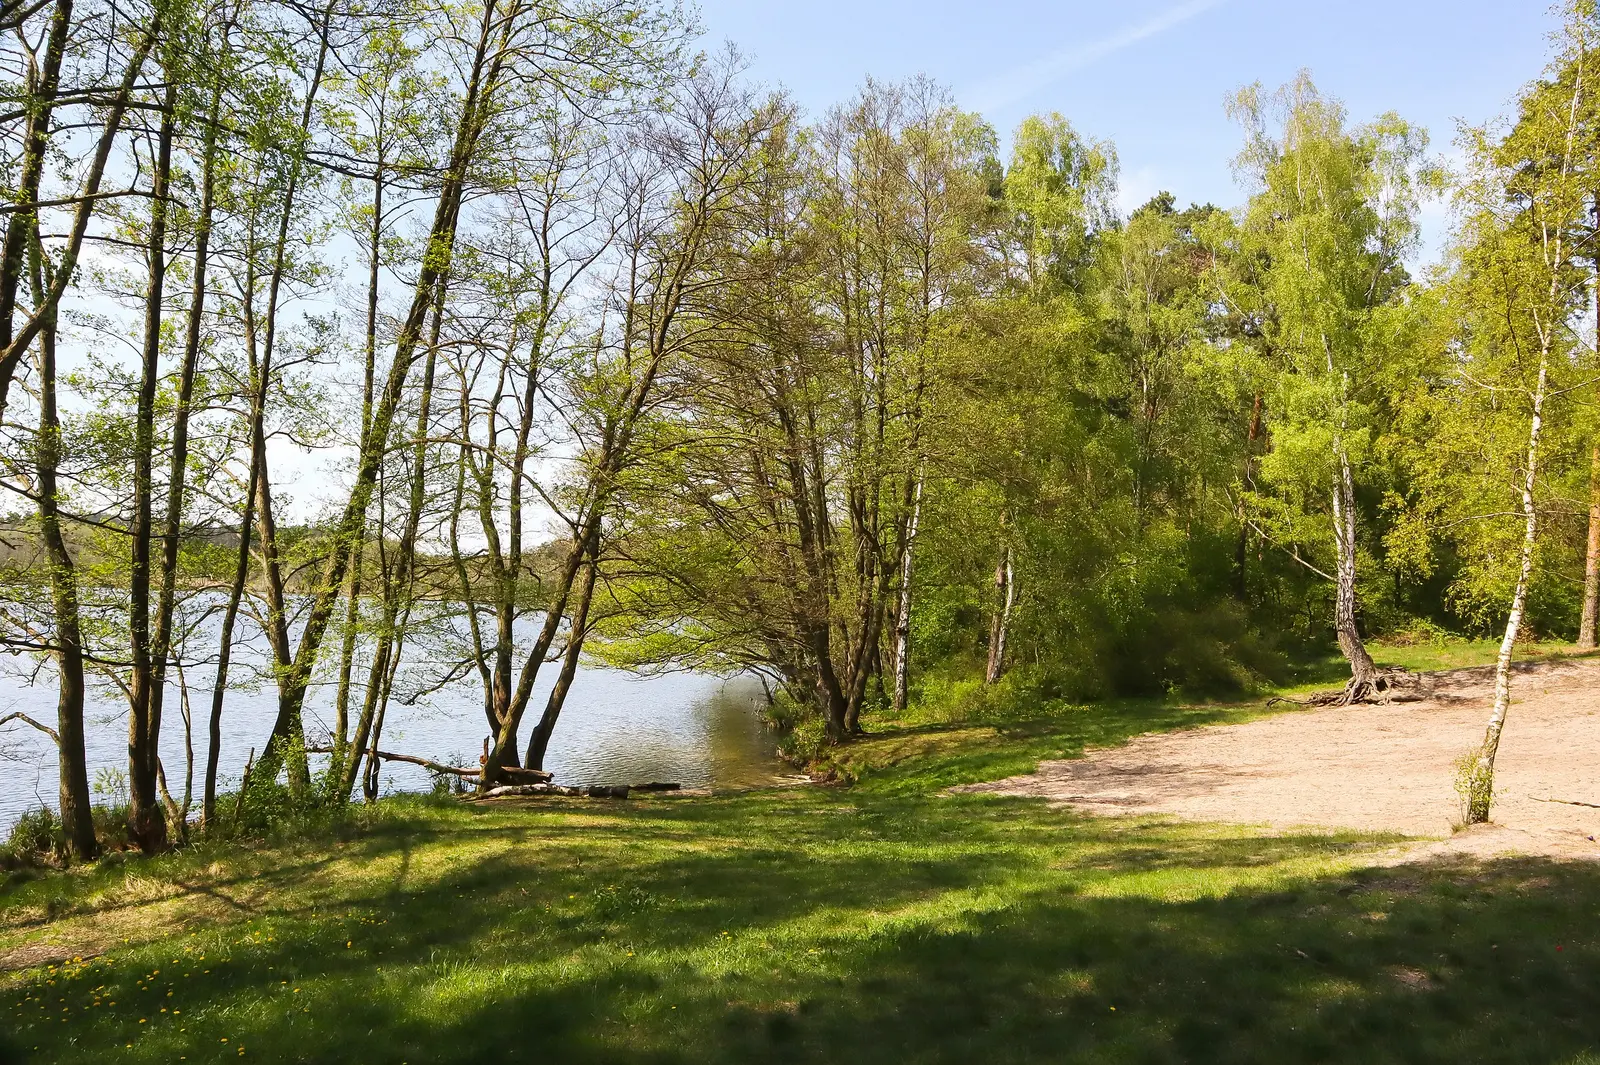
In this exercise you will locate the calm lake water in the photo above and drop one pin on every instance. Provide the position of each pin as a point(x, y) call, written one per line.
point(616, 728)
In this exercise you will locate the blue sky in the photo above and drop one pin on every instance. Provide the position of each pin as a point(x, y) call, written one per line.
point(1152, 75)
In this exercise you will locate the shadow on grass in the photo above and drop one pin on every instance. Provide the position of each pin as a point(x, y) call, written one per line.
point(848, 927)
point(922, 758)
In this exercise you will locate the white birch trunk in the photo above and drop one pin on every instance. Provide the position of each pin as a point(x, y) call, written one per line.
point(902, 624)
point(1006, 585)
point(1481, 799)
point(1588, 638)
point(1365, 682)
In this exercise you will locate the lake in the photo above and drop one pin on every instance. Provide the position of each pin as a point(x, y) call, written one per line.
point(616, 728)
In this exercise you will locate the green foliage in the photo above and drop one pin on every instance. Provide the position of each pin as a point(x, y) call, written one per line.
point(1058, 191)
point(1496, 434)
point(1474, 784)
point(36, 839)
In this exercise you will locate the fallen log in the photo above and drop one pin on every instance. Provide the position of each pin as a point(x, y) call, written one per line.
point(468, 772)
point(523, 789)
point(525, 776)
point(592, 791)
point(656, 785)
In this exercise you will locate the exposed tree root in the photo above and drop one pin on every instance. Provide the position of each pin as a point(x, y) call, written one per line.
point(1379, 688)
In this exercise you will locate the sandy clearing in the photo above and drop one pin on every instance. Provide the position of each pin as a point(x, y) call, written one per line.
point(1375, 768)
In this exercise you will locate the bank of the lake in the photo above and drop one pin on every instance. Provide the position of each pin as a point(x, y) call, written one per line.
point(883, 920)
point(616, 728)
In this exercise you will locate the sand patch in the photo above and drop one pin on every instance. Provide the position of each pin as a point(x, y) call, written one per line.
point(1370, 768)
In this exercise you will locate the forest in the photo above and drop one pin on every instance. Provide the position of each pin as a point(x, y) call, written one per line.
point(453, 345)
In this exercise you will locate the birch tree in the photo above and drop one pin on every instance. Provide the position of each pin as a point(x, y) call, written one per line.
point(1522, 288)
point(1334, 213)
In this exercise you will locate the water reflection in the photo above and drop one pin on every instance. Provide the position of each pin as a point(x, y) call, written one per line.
point(616, 728)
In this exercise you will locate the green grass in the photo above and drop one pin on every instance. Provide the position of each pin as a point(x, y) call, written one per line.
point(907, 759)
point(1327, 668)
point(884, 922)
point(1454, 653)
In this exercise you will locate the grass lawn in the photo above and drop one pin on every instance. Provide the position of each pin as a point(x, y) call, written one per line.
point(883, 922)
point(1456, 653)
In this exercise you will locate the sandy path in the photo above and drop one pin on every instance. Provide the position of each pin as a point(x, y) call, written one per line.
point(1379, 768)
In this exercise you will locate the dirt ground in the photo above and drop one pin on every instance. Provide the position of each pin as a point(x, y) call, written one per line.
point(1371, 768)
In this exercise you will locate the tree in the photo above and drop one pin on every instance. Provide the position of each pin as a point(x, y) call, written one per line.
point(1334, 216)
point(1521, 287)
point(679, 190)
point(783, 541)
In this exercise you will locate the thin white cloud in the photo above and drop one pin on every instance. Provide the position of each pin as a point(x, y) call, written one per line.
point(1018, 84)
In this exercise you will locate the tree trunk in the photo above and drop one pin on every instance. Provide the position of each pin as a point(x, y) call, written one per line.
point(1241, 587)
point(1591, 562)
point(345, 783)
point(285, 747)
point(342, 751)
point(1588, 639)
point(503, 750)
point(397, 586)
point(487, 66)
point(146, 821)
point(1366, 682)
point(178, 813)
point(1481, 795)
point(540, 740)
point(871, 634)
point(22, 232)
point(829, 694)
point(219, 684)
point(287, 744)
point(12, 347)
point(76, 817)
point(178, 469)
point(374, 763)
point(999, 631)
point(658, 312)
point(902, 620)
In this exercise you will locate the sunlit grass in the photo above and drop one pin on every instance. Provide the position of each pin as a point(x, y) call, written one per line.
point(810, 925)
point(1457, 653)
point(885, 921)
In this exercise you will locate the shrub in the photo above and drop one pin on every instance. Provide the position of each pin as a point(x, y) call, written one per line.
point(1417, 632)
point(37, 839)
point(449, 784)
point(111, 826)
point(1475, 786)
